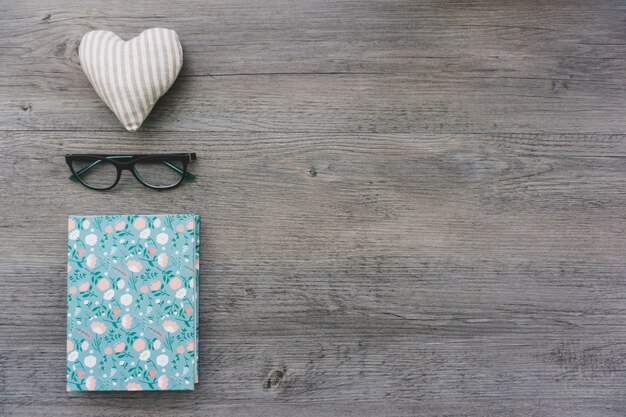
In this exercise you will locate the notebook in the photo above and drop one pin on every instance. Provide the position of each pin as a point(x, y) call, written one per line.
point(132, 302)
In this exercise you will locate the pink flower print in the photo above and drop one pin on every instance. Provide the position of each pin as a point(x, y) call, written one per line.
point(170, 326)
point(84, 286)
point(180, 228)
point(152, 250)
point(176, 283)
point(162, 382)
point(180, 349)
point(71, 224)
point(90, 383)
point(152, 372)
point(133, 386)
point(191, 346)
point(108, 350)
point(108, 229)
point(81, 251)
point(80, 373)
point(162, 259)
point(116, 311)
point(191, 224)
point(155, 285)
point(91, 261)
point(119, 347)
point(127, 321)
point(139, 345)
point(134, 266)
point(144, 289)
point(72, 290)
point(69, 267)
point(157, 344)
point(104, 284)
point(98, 327)
point(70, 345)
point(157, 222)
point(188, 310)
point(139, 223)
point(120, 225)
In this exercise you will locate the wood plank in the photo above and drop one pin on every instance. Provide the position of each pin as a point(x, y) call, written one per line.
point(424, 271)
point(380, 68)
point(408, 208)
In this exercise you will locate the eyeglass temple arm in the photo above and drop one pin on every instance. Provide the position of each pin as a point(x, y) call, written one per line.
point(186, 175)
point(82, 171)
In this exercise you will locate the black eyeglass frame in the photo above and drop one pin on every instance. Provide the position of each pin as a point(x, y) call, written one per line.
point(128, 162)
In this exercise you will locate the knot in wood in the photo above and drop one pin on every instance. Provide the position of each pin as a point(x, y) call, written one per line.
point(274, 378)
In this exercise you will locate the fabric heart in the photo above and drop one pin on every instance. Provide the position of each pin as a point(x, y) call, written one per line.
point(130, 76)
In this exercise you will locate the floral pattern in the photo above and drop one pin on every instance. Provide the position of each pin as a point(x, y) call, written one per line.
point(132, 302)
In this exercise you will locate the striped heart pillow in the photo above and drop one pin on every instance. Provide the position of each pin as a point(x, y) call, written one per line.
point(130, 76)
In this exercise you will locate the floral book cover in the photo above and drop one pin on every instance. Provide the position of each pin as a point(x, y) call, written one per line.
point(132, 302)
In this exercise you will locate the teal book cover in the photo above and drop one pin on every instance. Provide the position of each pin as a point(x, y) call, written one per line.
point(132, 302)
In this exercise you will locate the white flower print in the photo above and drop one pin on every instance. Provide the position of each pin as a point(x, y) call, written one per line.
point(145, 233)
point(162, 360)
point(145, 355)
point(126, 299)
point(162, 238)
point(72, 356)
point(91, 239)
point(90, 361)
point(74, 234)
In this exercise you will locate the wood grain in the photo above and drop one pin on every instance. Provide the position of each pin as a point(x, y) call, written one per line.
point(408, 208)
point(335, 67)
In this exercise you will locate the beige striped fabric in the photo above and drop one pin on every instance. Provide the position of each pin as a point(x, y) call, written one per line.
point(130, 76)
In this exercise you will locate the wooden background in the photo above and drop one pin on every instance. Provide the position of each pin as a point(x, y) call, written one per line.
point(408, 207)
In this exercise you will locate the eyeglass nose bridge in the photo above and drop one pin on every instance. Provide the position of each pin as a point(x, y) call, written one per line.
point(122, 165)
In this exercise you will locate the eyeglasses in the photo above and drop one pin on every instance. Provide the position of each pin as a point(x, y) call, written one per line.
point(103, 172)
